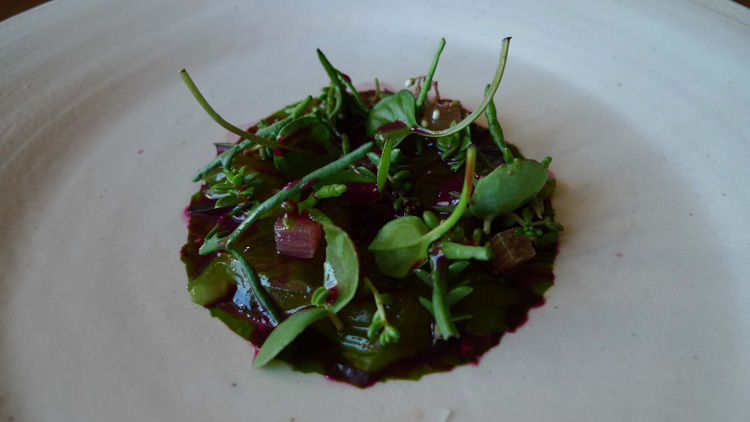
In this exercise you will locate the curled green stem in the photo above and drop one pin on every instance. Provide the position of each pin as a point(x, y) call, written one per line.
point(463, 202)
point(482, 106)
point(496, 131)
point(223, 123)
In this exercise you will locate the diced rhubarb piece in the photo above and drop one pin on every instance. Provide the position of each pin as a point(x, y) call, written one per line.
point(510, 251)
point(301, 241)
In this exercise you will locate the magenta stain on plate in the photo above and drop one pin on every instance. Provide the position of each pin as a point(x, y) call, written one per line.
point(618, 254)
point(140, 151)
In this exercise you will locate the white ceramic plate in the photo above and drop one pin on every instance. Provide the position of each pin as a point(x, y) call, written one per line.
point(643, 105)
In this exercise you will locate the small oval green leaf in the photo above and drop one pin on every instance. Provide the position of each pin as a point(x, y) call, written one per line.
point(507, 188)
point(399, 245)
point(341, 268)
point(286, 332)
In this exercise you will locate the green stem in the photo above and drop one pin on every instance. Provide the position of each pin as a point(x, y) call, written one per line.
point(460, 251)
point(362, 107)
point(428, 79)
point(334, 318)
point(378, 300)
point(516, 218)
point(260, 293)
point(439, 298)
point(496, 131)
point(220, 120)
point(487, 225)
point(434, 234)
point(482, 106)
point(285, 194)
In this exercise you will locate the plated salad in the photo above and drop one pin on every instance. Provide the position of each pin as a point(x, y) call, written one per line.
point(371, 234)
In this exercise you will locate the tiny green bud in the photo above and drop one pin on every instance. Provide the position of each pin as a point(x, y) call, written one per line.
point(365, 171)
point(409, 82)
point(396, 155)
point(393, 334)
point(398, 205)
point(430, 219)
point(402, 175)
point(345, 145)
point(477, 235)
point(374, 328)
point(374, 158)
point(458, 234)
point(423, 275)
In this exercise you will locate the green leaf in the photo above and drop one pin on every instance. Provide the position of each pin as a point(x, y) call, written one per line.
point(399, 246)
point(507, 187)
point(227, 201)
point(382, 119)
point(330, 191)
point(341, 268)
point(286, 332)
point(457, 294)
point(314, 139)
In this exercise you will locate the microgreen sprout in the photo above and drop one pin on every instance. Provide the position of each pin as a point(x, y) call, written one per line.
point(379, 326)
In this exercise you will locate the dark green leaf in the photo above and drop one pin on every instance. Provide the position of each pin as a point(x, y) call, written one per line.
point(457, 294)
point(507, 188)
point(399, 246)
point(341, 268)
point(396, 108)
point(227, 201)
